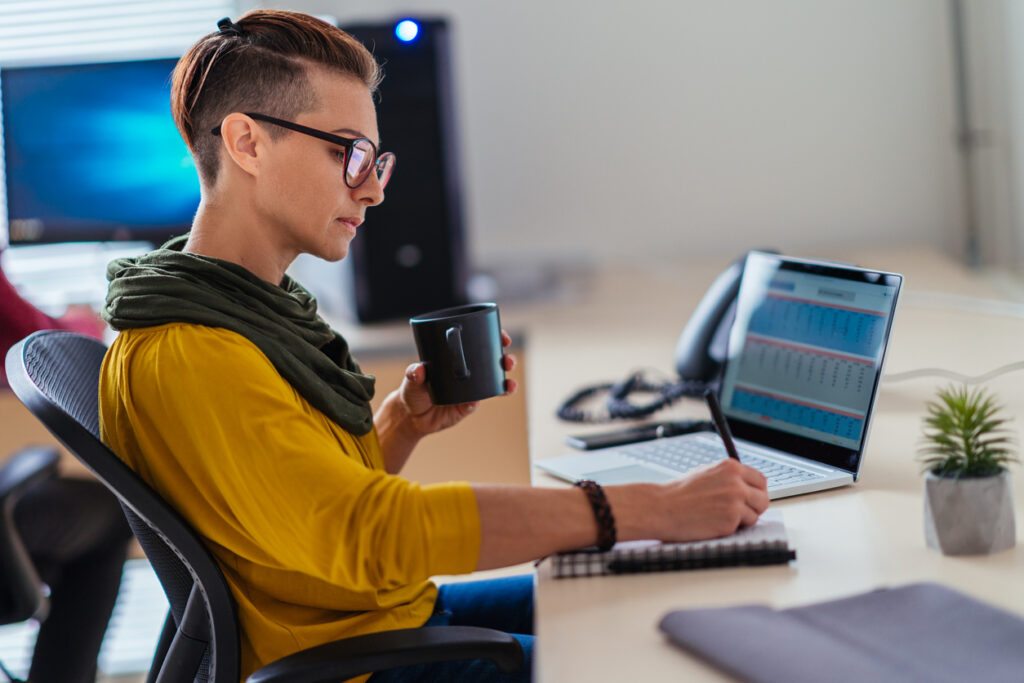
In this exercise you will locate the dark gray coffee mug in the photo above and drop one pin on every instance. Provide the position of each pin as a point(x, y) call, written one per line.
point(461, 348)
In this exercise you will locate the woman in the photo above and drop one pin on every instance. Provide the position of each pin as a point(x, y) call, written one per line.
point(229, 395)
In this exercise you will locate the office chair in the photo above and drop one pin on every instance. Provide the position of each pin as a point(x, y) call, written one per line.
point(56, 375)
point(22, 595)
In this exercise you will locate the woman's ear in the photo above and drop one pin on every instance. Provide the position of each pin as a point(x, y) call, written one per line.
point(243, 140)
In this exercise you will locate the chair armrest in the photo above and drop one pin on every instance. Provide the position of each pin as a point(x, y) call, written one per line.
point(24, 469)
point(344, 659)
point(21, 597)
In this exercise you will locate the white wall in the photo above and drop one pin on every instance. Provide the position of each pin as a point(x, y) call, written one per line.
point(596, 130)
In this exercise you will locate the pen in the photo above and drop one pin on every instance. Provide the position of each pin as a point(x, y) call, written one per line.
point(720, 424)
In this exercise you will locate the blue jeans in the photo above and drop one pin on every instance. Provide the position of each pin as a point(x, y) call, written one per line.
point(505, 604)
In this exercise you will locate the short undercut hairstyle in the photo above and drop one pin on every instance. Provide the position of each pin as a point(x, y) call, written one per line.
point(259, 63)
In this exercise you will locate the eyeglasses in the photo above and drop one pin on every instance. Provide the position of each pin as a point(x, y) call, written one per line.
point(360, 154)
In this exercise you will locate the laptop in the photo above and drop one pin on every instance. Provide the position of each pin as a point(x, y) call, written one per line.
point(799, 382)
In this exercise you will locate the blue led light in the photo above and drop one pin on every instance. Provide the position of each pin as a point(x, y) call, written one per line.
point(407, 30)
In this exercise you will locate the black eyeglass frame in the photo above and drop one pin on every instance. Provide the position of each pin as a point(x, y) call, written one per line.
point(347, 143)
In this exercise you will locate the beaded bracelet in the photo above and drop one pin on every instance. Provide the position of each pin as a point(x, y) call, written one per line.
point(602, 513)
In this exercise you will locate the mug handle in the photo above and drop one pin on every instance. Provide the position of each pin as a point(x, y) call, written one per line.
point(453, 335)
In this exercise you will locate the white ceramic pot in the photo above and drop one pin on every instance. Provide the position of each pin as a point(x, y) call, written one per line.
point(969, 515)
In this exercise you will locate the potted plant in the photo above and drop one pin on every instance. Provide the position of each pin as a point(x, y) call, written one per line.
point(968, 504)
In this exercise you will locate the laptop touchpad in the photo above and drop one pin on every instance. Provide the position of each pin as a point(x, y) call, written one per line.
point(628, 474)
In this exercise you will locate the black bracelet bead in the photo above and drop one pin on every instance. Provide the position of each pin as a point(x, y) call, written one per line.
point(602, 513)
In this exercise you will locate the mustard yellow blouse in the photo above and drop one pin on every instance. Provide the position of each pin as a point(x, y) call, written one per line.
point(316, 540)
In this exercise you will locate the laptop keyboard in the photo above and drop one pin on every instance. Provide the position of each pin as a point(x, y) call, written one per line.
point(682, 455)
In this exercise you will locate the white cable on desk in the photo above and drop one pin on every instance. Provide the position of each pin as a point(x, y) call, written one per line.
point(956, 376)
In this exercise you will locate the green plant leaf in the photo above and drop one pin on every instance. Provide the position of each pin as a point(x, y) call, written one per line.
point(965, 434)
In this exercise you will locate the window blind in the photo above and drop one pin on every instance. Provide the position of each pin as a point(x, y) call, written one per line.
point(76, 31)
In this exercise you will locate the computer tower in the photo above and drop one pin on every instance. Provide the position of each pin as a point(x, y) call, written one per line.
point(409, 256)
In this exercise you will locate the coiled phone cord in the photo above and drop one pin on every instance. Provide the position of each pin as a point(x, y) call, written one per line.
point(618, 405)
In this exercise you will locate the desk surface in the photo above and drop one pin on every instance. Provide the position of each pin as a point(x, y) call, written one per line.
point(849, 540)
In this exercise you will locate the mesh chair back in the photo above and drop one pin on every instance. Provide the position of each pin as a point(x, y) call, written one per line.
point(56, 375)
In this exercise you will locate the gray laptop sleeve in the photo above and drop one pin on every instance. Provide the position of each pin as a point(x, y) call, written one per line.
point(918, 632)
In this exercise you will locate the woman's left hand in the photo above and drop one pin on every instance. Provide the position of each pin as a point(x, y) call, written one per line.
point(427, 418)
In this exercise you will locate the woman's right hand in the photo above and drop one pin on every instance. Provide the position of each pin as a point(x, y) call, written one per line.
point(709, 502)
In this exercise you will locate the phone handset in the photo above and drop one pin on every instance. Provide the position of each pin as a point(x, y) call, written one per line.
point(700, 350)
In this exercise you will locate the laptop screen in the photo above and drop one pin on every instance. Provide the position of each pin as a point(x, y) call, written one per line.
point(805, 356)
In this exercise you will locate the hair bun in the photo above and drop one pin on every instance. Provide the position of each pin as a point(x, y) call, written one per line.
point(230, 28)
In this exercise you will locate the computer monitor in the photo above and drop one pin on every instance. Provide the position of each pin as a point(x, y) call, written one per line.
point(91, 154)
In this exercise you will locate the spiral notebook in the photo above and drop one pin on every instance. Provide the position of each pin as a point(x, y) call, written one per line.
point(763, 543)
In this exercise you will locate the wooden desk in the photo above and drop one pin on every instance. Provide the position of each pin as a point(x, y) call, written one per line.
point(849, 540)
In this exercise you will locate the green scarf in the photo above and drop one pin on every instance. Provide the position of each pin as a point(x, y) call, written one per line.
point(167, 285)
